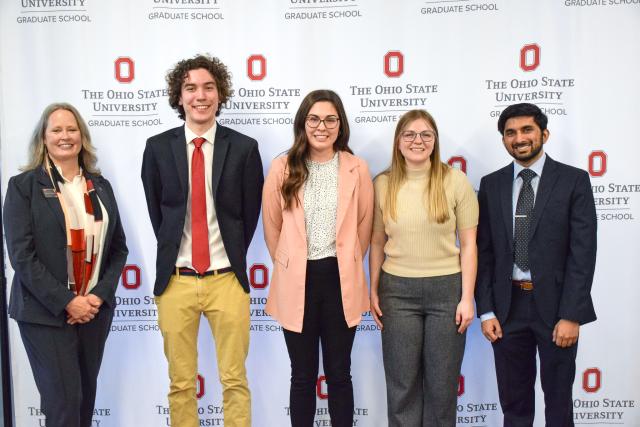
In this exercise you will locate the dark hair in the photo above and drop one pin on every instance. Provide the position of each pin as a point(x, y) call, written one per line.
point(299, 152)
point(519, 110)
point(175, 77)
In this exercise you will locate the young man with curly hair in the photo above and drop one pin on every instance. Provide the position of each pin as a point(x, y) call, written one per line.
point(203, 185)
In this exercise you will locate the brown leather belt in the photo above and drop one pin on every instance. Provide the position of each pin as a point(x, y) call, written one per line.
point(186, 271)
point(525, 285)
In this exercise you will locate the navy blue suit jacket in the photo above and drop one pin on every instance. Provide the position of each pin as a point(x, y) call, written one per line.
point(562, 245)
point(37, 247)
point(237, 193)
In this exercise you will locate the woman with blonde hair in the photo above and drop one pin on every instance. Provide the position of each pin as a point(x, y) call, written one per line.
point(67, 249)
point(421, 282)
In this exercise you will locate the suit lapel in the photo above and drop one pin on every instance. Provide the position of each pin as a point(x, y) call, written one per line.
point(52, 202)
point(105, 200)
point(179, 149)
point(545, 186)
point(506, 200)
point(347, 178)
point(220, 149)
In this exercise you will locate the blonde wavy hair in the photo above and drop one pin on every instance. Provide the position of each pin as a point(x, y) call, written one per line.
point(38, 151)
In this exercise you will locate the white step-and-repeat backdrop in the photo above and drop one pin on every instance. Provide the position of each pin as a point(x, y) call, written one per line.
point(463, 60)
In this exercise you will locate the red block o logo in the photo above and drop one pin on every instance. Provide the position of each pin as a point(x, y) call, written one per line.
point(322, 381)
point(596, 169)
point(394, 63)
point(458, 162)
point(530, 57)
point(259, 62)
point(124, 69)
point(259, 276)
point(199, 386)
point(131, 276)
point(460, 385)
point(591, 380)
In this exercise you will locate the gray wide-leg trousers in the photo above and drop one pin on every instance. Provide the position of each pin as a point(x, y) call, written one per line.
point(422, 349)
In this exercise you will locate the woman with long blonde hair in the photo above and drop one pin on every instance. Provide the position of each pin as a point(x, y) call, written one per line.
point(421, 282)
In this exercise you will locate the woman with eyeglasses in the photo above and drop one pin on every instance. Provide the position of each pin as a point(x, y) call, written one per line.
point(422, 282)
point(317, 210)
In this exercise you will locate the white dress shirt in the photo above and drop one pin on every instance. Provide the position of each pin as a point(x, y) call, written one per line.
point(217, 255)
point(537, 167)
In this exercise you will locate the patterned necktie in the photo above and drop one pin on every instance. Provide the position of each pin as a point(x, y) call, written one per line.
point(524, 209)
point(199, 225)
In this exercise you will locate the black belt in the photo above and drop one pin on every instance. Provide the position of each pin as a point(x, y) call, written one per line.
point(186, 271)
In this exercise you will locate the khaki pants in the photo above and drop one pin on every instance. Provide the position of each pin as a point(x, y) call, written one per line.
point(226, 306)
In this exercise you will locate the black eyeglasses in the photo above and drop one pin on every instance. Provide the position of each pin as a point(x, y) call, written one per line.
point(330, 122)
point(425, 136)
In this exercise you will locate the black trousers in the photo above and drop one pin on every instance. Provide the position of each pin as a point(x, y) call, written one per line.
point(515, 358)
point(323, 322)
point(65, 362)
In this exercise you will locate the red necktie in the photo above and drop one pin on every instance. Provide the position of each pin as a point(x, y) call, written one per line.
point(199, 225)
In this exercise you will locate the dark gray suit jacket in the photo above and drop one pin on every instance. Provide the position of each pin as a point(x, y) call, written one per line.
point(36, 243)
point(562, 246)
point(237, 193)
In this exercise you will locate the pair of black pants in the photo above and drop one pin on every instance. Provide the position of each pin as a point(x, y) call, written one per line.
point(65, 362)
point(515, 358)
point(323, 321)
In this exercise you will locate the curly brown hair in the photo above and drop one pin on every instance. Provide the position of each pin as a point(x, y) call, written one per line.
point(176, 76)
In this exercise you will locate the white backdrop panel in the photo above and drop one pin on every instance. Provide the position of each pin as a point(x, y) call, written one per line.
point(462, 60)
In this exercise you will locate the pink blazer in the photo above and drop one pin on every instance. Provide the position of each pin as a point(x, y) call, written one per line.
point(285, 235)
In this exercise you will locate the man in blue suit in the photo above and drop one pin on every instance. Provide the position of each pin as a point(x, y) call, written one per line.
point(203, 185)
point(536, 259)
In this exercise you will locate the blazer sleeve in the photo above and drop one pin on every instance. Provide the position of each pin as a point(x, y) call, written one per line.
point(152, 184)
point(253, 181)
point(486, 256)
point(115, 259)
point(365, 207)
point(32, 274)
point(272, 206)
point(575, 301)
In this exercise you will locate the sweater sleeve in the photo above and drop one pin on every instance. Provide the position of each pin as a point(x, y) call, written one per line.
point(466, 206)
point(380, 189)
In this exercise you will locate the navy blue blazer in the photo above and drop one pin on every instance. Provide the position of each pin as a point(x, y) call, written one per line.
point(37, 247)
point(562, 246)
point(237, 181)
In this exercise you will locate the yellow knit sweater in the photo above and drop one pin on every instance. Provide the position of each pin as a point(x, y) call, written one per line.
point(416, 245)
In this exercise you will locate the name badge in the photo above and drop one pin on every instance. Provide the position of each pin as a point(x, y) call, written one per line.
point(49, 193)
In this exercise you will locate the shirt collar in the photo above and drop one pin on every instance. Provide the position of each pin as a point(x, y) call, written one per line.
point(536, 167)
point(75, 178)
point(209, 135)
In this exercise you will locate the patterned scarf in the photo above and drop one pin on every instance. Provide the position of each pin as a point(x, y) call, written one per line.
point(83, 244)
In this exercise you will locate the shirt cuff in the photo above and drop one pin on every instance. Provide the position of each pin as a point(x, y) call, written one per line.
point(487, 316)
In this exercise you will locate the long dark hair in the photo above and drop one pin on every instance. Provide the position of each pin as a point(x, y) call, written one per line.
point(297, 171)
